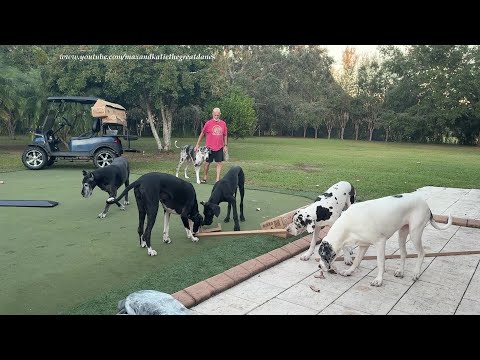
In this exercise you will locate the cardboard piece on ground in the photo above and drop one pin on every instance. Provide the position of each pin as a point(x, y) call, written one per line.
point(209, 230)
point(280, 222)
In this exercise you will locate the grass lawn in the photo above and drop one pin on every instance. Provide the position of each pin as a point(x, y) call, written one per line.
point(65, 260)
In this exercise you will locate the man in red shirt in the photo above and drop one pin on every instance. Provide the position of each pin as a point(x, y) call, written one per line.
point(215, 131)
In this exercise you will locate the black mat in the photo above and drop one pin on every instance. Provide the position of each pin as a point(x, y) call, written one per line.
point(28, 203)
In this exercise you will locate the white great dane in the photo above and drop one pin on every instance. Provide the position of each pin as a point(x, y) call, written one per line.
point(375, 221)
point(324, 211)
point(196, 157)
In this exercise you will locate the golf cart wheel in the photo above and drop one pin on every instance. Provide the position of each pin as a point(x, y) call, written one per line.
point(50, 161)
point(34, 158)
point(103, 157)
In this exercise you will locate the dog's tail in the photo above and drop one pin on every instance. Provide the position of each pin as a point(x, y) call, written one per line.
point(176, 145)
point(438, 227)
point(112, 200)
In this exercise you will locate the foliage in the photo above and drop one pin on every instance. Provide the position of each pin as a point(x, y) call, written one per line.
point(237, 111)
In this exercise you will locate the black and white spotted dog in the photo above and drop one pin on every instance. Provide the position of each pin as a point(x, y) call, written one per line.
point(196, 157)
point(326, 209)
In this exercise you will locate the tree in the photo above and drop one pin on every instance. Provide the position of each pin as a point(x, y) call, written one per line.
point(238, 112)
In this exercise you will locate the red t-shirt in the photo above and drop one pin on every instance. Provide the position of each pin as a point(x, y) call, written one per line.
point(214, 132)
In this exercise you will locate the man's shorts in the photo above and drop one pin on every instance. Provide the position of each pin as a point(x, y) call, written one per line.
point(215, 155)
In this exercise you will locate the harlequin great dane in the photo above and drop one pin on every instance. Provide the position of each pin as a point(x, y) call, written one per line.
point(324, 211)
point(375, 221)
point(196, 157)
point(177, 196)
point(109, 179)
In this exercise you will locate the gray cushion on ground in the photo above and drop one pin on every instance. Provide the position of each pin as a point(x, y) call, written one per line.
point(151, 302)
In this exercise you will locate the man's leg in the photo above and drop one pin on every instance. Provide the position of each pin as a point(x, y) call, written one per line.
point(219, 170)
point(207, 165)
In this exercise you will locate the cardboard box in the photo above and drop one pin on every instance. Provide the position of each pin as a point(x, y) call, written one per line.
point(280, 222)
point(115, 112)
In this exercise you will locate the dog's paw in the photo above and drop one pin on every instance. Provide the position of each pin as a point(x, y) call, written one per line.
point(398, 273)
point(415, 277)
point(143, 244)
point(126, 202)
point(242, 218)
point(102, 215)
point(194, 239)
point(227, 219)
point(151, 252)
point(167, 240)
point(376, 282)
point(344, 272)
point(236, 228)
point(347, 260)
point(305, 257)
point(122, 207)
point(187, 177)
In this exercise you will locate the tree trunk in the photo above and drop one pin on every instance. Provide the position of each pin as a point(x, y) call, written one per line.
point(370, 130)
point(342, 131)
point(167, 117)
point(386, 135)
point(304, 132)
point(357, 129)
point(478, 139)
point(316, 132)
point(329, 130)
point(152, 125)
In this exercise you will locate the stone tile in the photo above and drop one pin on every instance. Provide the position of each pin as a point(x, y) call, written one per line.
point(297, 266)
point(396, 312)
point(280, 277)
point(442, 273)
point(473, 289)
point(225, 304)
point(466, 209)
point(464, 239)
point(436, 292)
point(255, 291)
point(371, 299)
point(335, 309)
point(281, 307)
point(415, 305)
point(302, 294)
point(450, 263)
point(468, 307)
point(335, 283)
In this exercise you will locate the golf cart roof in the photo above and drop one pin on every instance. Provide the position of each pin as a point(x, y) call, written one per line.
point(73, 99)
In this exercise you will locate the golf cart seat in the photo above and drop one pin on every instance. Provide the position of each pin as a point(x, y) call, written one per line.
point(96, 127)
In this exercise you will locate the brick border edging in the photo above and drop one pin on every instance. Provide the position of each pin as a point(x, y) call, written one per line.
point(203, 290)
point(466, 222)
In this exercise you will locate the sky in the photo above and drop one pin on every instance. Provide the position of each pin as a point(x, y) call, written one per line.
point(336, 51)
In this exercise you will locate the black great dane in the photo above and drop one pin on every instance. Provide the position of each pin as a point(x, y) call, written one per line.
point(226, 190)
point(109, 179)
point(177, 196)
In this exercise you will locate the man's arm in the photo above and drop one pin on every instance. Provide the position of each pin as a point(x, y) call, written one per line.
point(225, 142)
point(198, 141)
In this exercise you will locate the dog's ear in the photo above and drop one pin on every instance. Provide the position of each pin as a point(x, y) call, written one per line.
point(216, 209)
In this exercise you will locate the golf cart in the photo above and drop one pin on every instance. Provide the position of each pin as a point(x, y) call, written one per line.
point(101, 143)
